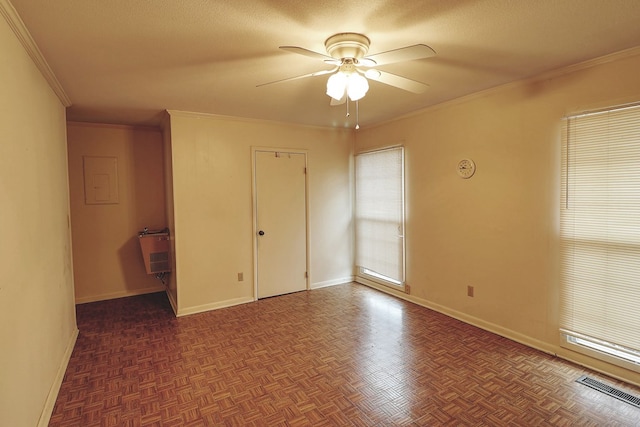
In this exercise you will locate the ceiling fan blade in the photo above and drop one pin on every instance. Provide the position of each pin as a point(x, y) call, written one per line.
point(307, 52)
point(317, 73)
point(409, 53)
point(367, 62)
point(397, 81)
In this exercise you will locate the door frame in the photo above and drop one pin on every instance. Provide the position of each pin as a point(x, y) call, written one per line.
point(254, 195)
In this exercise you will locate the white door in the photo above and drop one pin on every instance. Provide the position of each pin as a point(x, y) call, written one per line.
point(281, 222)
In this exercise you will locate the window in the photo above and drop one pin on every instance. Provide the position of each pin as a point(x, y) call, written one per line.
point(600, 235)
point(380, 216)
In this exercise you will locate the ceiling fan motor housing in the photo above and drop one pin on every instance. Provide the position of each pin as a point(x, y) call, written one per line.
point(347, 66)
point(347, 45)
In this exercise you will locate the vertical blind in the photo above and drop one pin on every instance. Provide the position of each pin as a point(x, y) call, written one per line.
point(600, 228)
point(379, 215)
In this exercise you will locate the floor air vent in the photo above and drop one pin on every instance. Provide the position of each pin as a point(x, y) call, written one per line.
point(611, 391)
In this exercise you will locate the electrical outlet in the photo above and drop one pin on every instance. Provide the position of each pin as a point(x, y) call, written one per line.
point(407, 289)
point(470, 291)
point(240, 277)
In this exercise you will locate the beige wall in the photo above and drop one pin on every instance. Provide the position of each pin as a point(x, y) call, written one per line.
point(37, 314)
point(172, 286)
point(497, 231)
point(212, 192)
point(107, 259)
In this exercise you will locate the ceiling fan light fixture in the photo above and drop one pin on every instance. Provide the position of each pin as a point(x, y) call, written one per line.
point(348, 80)
point(372, 74)
point(336, 85)
point(357, 87)
point(347, 45)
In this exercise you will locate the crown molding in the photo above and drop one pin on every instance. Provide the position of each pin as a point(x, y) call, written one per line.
point(141, 128)
point(22, 33)
point(548, 75)
point(214, 116)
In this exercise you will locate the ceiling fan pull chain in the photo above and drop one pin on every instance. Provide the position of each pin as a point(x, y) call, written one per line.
point(357, 116)
point(347, 107)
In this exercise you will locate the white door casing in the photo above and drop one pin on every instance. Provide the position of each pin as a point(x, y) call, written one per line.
point(280, 218)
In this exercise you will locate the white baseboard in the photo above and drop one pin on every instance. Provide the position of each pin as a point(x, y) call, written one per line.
point(237, 301)
point(463, 317)
point(173, 302)
point(120, 294)
point(554, 350)
point(213, 306)
point(492, 327)
point(333, 282)
point(50, 403)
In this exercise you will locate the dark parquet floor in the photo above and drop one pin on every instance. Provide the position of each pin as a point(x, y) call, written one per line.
point(346, 355)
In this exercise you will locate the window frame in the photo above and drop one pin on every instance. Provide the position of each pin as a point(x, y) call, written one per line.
point(367, 275)
point(598, 186)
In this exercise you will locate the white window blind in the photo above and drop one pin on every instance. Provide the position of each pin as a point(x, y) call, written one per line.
point(380, 215)
point(600, 235)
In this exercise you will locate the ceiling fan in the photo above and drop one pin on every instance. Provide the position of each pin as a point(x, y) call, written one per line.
point(346, 52)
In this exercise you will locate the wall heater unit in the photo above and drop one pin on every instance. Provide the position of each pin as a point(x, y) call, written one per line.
point(156, 251)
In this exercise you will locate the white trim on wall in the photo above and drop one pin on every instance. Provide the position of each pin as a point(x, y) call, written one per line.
point(20, 30)
point(50, 403)
point(122, 294)
point(463, 317)
point(333, 282)
point(173, 302)
point(214, 306)
point(553, 350)
point(612, 57)
point(254, 195)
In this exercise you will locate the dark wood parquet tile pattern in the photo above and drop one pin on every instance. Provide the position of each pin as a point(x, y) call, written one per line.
point(346, 355)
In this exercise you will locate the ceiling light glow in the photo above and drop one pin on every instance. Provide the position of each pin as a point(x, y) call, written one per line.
point(355, 85)
point(336, 85)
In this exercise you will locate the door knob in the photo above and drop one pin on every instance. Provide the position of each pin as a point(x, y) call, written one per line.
point(261, 233)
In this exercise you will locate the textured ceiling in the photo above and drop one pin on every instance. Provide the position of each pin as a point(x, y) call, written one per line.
point(125, 61)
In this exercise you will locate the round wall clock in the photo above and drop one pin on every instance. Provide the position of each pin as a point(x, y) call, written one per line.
point(466, 168)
